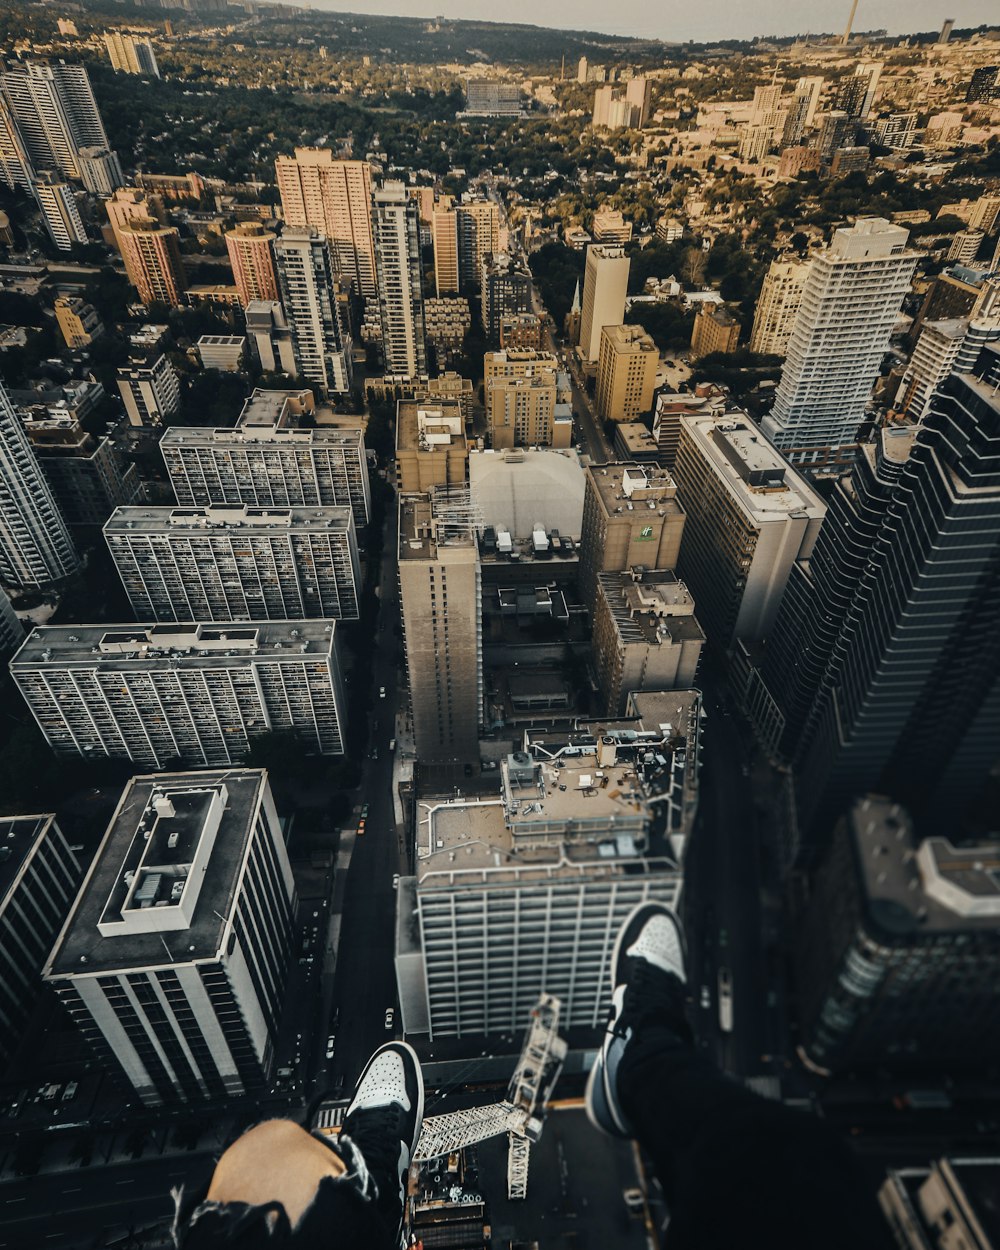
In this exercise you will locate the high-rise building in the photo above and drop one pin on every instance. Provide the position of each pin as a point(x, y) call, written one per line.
point(440, 602)
point(201, 694)
point(320, 341)
point(505, 286)
point(985, 213)
point(130, 54)
point(127, 204)
point(932, 360)
point(236, 564)
point(901, 940)
point(639, 93)
point(897, 131)
point(35, 546)
point(150, 390)
point(520, 412)
point(777, 306)
point(631, 515)
point(100, 170)
point(609, 226)
point(62, 218)
point(478, 224)
point(605, 285)
point(88, 476)
point(16, 169)
point(79, 322)
point(965, 246)
point(626, 373)
point(521, 332)
point(152, 256)
point(801, 110)
point(251, 255)
point(715, 330)
point(646, 636)
point(837, 130)
point(335, 198)
point(949, 1203)
point(850, 301)
point(11, 629)
point(984, 85)
point(749, 517)
point(445, 234)
point(490, 97)
point(857, 93)
point(767, 119)
point(270, 459)
point(431, 447)
point(396, 226)
point(55, 112)
point(39, 877)
point(172, 963)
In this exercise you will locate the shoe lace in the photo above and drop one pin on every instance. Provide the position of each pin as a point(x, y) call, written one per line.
point(375, 1132)
point(652, 996)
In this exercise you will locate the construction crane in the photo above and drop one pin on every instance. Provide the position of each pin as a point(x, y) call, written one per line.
point(520, 1115)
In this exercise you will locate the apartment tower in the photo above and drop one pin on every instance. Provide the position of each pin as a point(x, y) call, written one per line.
point(605, 285)
point(251, 255)
point(309, 297)
point(396, 223)
point(152, 256)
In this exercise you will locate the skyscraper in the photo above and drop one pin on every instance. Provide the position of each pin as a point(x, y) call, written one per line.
point(56, 113)
point(251, 255)
point(35, 546)
point(172, 964)
point(152, 257)
point(130, 54)
point(197, 693)
point(857, 93)
point(885, 662)
point(445, 234)
point(396, 224)
point(335, 198)
point(850, 301)
point(777, 306)
point(127, 204)
point(59, 211)
point(626, 373)
point(100, 170)
point(605, 285)
point(236, 563)
point(16, 169)
point(639, 93)
point(478, 223)
point(801, 110)
point(309, 296)
point(440, 602)
point(766, 118)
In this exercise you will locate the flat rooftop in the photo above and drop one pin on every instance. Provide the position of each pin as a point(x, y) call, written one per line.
point(145, 520)
point(423, 529)
point(654, 609)
point(930, 887)
point(124, 646)
point(429, 424)
point(640, 485)
point(145, 853)
point(741, 454)
point(263, 432)
point(19, 835)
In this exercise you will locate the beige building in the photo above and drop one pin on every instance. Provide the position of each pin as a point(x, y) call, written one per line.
point(626, 373)
point(335, 197)
point(478, 237)
point(631, 515)
point(949, 1206)
point(605, 285)
point(646, 636)
point(440, 601)
point(715, 330)
point(611, 227)
point(79, 322)
point(512, 363)
point(780, 297)
point(521, 332)
point(431, 449)
point(152, 257)
point(251, 256)
point(521, 412)
point(127, 204)
point(750, 517)
point(444, 225)
point(449, 385)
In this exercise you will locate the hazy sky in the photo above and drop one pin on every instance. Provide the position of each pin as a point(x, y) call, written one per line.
point(694, 19)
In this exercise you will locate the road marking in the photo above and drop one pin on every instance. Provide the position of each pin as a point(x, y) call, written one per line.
point(10, 1200)
point(77, 1190)
point(130, 1181)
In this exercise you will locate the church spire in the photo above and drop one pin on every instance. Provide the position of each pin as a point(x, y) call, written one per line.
point(576, 298)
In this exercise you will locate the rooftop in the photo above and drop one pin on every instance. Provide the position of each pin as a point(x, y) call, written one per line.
point(627, 487)
point(651, 606)
point(431, 522)
point(146, 520)
point(187, 830)
point(930, 887)
point(212, 646)
point(429, 425)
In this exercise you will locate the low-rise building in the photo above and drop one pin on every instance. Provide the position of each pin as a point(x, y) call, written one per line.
point(79, 322)
point(715, 330)
point(222, 351)
point(609, 226)
point(521, 332)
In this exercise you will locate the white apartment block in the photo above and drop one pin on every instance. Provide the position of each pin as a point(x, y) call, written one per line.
point(269, 461)
point(155, 694)
point(59, 212)
point(777, 306)
point(850, 302)
point(396, 225)
point(172, 962)
point(131, 54)
point(150, 390)
point(605, 285)
point(237, 563)
point(308, 291)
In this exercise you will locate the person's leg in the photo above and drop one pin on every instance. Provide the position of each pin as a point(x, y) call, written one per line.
point(723, 1155)
point(278, 1185)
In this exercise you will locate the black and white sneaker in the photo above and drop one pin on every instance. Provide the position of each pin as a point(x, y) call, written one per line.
point(384, 1121)
point(647, 970)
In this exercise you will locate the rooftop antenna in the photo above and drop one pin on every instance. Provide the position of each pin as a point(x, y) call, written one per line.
point(846, 37)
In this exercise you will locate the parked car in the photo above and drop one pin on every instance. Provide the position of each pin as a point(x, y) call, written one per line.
point(389, 1016)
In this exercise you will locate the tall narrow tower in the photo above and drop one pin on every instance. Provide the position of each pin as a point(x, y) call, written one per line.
point(396, 222)
point(306, 282)
point(35, 546)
